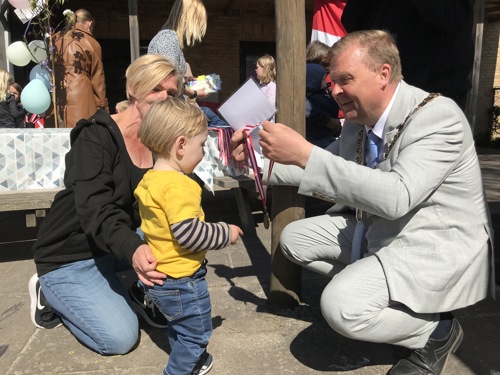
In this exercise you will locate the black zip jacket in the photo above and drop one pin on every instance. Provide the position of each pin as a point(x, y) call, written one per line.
point(97, 212)
point(11, 113)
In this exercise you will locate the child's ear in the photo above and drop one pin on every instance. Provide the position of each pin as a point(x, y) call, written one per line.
point(180, 145)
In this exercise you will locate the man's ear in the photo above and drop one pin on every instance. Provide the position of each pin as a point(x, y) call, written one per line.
point(385, 75)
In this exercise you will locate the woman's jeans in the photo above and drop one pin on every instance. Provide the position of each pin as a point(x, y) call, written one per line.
point(93, 304)
point(185, 302)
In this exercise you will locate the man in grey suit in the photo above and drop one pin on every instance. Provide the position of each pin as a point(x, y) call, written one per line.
point(423, 230)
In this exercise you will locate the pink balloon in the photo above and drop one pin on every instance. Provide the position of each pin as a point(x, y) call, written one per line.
point(20, 4)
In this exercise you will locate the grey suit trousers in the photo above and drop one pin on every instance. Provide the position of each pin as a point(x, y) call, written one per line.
point(356, 302)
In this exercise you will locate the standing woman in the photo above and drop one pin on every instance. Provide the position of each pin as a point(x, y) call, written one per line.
point(92, 223)
point(79, 73)
point(186, 25)
point(266, 74)
point(11, 114)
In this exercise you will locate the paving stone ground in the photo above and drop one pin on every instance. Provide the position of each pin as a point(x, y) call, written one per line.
point(250, 335)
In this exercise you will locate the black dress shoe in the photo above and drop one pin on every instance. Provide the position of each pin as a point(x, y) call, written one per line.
point(432, 358)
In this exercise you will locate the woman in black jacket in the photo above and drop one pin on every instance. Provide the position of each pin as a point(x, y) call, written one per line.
point(92, 222)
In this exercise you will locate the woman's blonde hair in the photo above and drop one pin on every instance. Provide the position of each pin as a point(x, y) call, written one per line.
point(267, 62)
point(188, 18)
point(80, 16)
point(169, 119)
point(146, 73)
point(5, 81)
point(379, 46)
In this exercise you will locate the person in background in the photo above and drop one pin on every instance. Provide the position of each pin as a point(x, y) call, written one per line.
point(173, 224)
point(11, 112)
point(265, 69)
point(31, 120)
point(79, 73)
point(16, 90)
point(322, 123)
point(318, 53)
point(437, 58)
point(420, 244)
point(122, 106)
point(186, 25)
point(91, 227)
point(212, 117)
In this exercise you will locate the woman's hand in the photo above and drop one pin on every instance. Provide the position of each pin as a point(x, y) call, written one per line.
point(144, 264)
point(201, 93)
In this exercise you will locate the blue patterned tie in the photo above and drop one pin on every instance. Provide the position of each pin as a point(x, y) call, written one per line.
point(373, 143)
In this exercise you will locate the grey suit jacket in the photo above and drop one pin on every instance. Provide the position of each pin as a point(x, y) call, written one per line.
point(424, 207)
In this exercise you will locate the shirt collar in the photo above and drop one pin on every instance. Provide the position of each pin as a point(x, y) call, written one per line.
point(378, 129)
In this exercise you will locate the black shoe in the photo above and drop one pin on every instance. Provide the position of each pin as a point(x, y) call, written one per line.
point(42, 314)
point(144, 307)
point(432, 358)
point(204, 364)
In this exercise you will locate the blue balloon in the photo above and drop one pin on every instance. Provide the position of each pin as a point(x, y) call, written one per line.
point(35, 97)
point(41, 73)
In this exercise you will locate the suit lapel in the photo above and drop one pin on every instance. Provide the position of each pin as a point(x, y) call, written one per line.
point(407, 98)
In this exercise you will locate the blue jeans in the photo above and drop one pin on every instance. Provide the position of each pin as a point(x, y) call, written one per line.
point(93, 304)
point(213, 119)
point(185, 302)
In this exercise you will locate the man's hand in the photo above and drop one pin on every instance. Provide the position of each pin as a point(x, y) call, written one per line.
point(144, 264)
point(238, 147)
point(284, 145)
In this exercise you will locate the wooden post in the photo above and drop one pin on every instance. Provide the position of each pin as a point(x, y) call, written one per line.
point(134, 30)
point(477, 29)
point(287, 205)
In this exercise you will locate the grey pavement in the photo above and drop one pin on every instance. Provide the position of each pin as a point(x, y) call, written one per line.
point(250, 336)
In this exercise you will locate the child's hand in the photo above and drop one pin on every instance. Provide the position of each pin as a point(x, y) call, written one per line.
point(235, 233)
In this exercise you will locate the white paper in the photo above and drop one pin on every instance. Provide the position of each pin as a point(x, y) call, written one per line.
point(248, 106)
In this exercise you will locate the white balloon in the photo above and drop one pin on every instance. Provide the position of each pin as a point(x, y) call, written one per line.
point(18, 54)
point(37, 48)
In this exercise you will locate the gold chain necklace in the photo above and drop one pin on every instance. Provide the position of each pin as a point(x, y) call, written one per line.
point(399, 129)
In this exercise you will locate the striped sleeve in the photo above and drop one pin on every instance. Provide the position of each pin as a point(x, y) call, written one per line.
point(195, 235)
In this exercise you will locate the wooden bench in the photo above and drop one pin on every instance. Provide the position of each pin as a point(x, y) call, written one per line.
point(40, 200)
point(243, 187)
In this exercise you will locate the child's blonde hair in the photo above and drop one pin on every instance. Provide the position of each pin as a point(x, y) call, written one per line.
point(169, 119)
point(269, 74)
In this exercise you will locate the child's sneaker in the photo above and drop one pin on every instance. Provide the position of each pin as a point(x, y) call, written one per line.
point(42, 314)
point(204, 364)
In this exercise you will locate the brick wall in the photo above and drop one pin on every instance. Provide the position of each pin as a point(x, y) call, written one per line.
point(229, 22)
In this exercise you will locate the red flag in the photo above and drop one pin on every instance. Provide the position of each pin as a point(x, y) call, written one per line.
point(326, 24)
